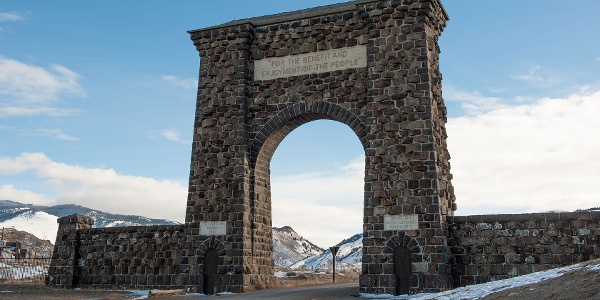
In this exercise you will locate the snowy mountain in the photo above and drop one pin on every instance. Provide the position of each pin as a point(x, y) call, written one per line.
point(289, 247)
point(31, 221)
point(589, 209)
point(41, 220)
point(349, 255)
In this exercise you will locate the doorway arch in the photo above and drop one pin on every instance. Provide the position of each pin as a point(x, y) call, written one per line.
point(273, 133)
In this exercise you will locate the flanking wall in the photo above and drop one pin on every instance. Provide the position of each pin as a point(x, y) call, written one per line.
point(483, 248)
point(147, 257)
point(493, 247)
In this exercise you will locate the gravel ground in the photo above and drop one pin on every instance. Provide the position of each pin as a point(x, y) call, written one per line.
point(41, 292)
point(578, 284)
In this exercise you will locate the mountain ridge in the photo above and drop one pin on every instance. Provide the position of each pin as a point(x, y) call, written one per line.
point(9, 209)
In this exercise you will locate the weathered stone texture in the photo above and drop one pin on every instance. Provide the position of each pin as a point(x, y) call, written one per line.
point(493, 247)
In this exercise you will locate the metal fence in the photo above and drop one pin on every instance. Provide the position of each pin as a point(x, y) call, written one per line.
point(24, 270)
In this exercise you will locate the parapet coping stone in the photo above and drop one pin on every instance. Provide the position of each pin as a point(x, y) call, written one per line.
point(547, 216)
point(296, 15)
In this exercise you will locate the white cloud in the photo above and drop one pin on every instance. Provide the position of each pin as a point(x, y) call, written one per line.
point(27, 90)
point(172, 135)
point(179, 82)
point(102, 189)
point(10, 16)
point(528, 158)
point(19, 111)
point(24, 196)
point(22, 163)
point(57, 134)
point(538, 76)
point(474, 103)
point(323, 207)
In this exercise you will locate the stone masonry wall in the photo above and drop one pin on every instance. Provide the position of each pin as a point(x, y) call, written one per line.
point(145, 257)
point(484, 248)
point(148, 257)
point(139, 257)
point(493, 247)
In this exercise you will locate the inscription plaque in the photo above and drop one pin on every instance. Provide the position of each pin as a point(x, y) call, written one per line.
point(213, 228)
point(311, 63)
point(400, 222)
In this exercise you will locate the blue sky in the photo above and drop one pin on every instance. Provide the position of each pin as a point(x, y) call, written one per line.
point(97, 105)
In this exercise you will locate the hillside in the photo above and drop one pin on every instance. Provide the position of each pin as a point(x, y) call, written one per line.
point(349, 256)
point(43, 248)
point(40, 220)
point(289, 247)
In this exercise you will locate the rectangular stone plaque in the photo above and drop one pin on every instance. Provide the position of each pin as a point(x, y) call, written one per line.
point(400, 222)
point(213, 228)
point(311, 63)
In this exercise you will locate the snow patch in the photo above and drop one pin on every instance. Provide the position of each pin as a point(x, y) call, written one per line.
point(478, 291)
point(41, 224)
point(595, 268)
point(280, 274)
point(9, 272)
point(140, 294)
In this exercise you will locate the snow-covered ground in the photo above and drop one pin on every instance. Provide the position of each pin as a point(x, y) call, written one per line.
point(280, 274)
point(20, 272)
point(478, 291)
point(42, 225)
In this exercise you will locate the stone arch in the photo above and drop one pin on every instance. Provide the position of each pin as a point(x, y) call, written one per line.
point(369, 64)
point(293, 116)
point(206, 246)
point(211, 243)
point(402, 239)
point(404, 280)
point(263, 147)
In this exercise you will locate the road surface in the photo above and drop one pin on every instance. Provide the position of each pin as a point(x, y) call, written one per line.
point(346, 290)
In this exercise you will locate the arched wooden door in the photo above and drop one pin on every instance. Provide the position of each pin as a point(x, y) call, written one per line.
point(211, 259)
point(402, 269)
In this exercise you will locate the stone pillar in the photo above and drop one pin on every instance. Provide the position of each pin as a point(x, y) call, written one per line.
point(220, 177)
point(407, 170)
point(65, 258)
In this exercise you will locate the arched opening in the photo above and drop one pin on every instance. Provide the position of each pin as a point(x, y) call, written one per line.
point(317, 182)
point(263, 149)
point(405, 252)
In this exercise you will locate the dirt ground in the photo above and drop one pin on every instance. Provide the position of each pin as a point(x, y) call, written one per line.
point(578, 284)
point(41, 292)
